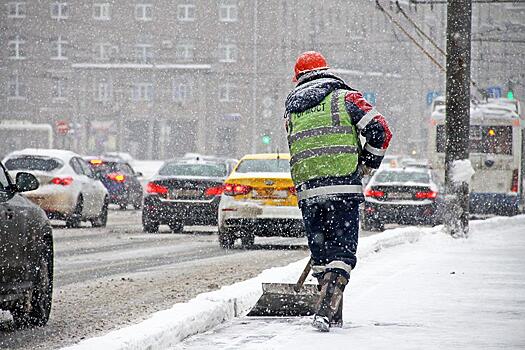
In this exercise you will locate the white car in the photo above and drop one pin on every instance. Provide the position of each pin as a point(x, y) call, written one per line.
point(68, 188)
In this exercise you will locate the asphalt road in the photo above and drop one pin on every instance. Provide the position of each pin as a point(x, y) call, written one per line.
point(109, 277)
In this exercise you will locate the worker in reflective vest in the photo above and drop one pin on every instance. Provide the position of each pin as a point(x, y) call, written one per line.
point(324, 120)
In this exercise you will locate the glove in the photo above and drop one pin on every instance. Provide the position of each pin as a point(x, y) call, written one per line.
point(366, 170)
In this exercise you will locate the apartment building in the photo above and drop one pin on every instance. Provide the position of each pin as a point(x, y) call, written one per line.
point(159, 78)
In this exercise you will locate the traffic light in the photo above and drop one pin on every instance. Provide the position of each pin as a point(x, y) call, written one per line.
point(510, 90)
point(266, 139)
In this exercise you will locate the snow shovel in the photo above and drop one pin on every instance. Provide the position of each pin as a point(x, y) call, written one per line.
point(287, 299)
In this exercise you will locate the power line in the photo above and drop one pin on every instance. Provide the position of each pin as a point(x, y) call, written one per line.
point(422, 32)
point(425, 52)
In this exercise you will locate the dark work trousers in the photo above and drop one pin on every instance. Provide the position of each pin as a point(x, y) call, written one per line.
point(332, 228)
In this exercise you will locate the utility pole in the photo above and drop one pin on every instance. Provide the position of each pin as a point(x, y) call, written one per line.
point(457, 123)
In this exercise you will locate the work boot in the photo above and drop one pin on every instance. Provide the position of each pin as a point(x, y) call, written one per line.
point(330, 300)
point(337, 320)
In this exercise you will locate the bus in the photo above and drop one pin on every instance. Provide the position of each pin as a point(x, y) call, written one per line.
point(15, 135)
point(496, 146)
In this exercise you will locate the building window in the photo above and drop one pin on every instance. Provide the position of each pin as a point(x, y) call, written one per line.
point(15, 88)
point(144, 53)
point(101, 11)
point(59, 10)
point(143, 12)
point(227, 53)
point(59, 89)
point(16, 49)
point(104, 51)
point(186, 12)
point(142, 92)
point(58, 48)
point(228, 11)
point(184, 52)
point(103, 91)
point(181, 91)
point(16, 9)
point(226, 92)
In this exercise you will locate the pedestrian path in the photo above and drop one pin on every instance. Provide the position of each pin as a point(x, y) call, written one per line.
point(438, 293)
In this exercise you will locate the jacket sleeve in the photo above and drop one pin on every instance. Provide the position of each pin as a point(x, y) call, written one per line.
point(371, 125)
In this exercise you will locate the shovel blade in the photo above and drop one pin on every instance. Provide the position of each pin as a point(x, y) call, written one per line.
point(280, 299)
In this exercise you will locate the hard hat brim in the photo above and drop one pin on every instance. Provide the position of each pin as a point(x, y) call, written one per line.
point(294, 79)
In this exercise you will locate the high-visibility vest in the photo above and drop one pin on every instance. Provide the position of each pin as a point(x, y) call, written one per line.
point(323, 141)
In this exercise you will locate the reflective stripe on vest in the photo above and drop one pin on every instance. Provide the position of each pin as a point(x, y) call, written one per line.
point(323, 141)
point(329, 190)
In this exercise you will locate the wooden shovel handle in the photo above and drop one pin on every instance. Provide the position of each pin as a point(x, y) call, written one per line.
point(303, 276)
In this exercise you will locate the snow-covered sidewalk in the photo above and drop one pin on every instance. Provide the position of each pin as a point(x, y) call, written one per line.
point(437, 293)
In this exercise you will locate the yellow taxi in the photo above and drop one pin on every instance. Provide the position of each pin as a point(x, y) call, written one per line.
point(259, 199)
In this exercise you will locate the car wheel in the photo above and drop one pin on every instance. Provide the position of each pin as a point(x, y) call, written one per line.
point(226, 239)
point(75, 218)
point(247, 239)
point(149, 225)
point(102, 219)
point(41, 296)
point(176, 226)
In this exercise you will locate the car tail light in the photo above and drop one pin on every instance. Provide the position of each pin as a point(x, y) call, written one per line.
point(374, 193)
point(426, 195)
point(96, 162)
point(292, 190)
point(154, 188)
point(236, 189)
point(118, 177)
point(213, 191)
point(514, 185)
point(62, 181)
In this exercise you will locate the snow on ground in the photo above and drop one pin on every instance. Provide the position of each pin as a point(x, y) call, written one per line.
point(437, 293)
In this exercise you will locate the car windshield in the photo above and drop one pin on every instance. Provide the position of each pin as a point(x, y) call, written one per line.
point(193, 169)
point(402, 176)
point(264, 166)
point(33, 163)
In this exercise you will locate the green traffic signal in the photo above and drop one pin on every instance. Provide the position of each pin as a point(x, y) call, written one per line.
point(266, 139)
point(510, 95)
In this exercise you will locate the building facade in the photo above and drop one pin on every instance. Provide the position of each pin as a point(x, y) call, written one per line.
point(160, 78)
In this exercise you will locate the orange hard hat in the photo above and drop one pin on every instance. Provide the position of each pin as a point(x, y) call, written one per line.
point(309, 61)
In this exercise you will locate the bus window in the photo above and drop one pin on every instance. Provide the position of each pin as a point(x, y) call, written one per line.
point(497, 139)
point(483, 139)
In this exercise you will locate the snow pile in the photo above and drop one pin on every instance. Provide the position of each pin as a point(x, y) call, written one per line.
point(461, 171)
point(207, 310)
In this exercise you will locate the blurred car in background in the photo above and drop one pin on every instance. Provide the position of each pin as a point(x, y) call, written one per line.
point(402, 196)
point(391, 161)
point(185, 192)
point(259, 199)
point(68, 190)
point(26, 258)
point(123, 156)
point(120, 180)
point(415, 163)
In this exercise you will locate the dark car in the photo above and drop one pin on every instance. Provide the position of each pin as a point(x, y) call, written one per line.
point(185, 192)
point(401, 196)
point(120, 180)
point(26, 258)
